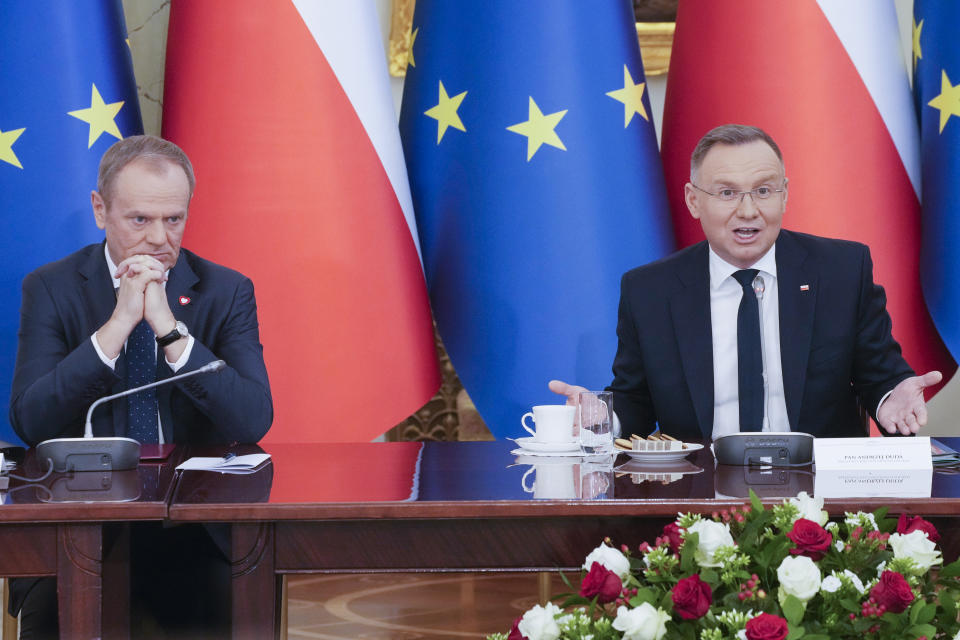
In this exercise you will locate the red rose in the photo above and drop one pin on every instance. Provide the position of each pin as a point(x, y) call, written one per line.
point(692, 597)
point(893, 592)
point(515, 631)
point(811, 539)
point(602, 583)
point(907, 525)
point(767, 627)
point(674, 535)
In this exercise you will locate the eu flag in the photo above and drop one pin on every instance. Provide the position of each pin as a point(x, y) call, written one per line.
point(536, 183)
point(66, 94)
point(936, 87)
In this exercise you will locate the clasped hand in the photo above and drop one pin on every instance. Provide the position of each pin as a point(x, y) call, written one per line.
point(140, 296)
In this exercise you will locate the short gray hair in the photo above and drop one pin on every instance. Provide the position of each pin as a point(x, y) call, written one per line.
point(731, 134)
point(150, 148)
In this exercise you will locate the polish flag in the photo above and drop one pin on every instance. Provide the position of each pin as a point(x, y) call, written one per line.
point(827, 80)
point(285, 110)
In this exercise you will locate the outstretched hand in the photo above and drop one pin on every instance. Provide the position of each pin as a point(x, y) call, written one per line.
point(904, 410)
point(571, 391)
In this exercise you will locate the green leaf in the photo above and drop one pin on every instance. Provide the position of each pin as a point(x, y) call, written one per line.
point(850, 605)
point(645, 595)
point(926, 613)
point(817, 636)
point(793, 610)
point(951, 570)
point(691, 541)
point(795, 632)
point(915, 610)
point(755, 503)
point(918, 630)
point(709, 575)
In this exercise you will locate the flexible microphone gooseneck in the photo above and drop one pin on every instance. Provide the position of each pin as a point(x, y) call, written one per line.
point(105, 453)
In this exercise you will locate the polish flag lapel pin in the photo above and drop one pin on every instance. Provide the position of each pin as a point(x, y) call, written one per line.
point(184, 301)
point(803, 287)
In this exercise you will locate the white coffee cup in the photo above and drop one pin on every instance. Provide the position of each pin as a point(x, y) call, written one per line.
point(552, 422)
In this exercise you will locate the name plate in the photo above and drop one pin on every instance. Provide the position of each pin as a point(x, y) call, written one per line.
point(863, 454)
point(873, 467)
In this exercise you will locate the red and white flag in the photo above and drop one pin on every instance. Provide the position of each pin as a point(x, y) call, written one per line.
point(285, 110)
point(826, 79)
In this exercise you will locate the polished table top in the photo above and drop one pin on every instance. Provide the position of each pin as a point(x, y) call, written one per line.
point(137, 494)
point(483, 479)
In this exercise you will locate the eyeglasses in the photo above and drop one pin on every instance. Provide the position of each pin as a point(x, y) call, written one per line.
point(734, 197)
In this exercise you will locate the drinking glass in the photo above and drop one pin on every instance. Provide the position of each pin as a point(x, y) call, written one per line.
point(596, 410)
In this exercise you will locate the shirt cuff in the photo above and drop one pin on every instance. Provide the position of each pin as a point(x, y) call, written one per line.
point(182, 360)
point(110, 362)
point(882, 400)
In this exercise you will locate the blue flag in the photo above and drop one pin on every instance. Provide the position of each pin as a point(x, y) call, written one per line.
point(67, 94)
point(536, 183)
point(936, 87)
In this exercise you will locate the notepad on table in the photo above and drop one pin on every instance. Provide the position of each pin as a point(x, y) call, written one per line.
point(234, 464)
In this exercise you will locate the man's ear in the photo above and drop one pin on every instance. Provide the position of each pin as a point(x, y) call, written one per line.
point(99, 209)
point(690, 196)
point(785, 192)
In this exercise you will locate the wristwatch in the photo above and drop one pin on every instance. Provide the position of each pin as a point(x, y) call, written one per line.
point(179, 331)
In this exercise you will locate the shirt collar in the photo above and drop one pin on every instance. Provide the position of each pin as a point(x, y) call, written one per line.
point(720, 269)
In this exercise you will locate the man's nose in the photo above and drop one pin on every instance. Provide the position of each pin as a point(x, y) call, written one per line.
point(747, 207)
point(156, 234)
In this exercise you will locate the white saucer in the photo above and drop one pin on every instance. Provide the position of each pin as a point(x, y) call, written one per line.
point(529, 444)
point(660, 457)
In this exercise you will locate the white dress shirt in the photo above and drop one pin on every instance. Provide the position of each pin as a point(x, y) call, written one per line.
point(725, 296)
point(112, 362)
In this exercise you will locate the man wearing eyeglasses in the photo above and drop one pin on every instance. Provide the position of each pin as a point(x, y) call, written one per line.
point(758, 328)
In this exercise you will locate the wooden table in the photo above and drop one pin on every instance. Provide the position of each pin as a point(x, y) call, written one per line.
point(77, 527)
point(342, 508)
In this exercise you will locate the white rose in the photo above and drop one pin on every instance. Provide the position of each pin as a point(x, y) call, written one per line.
point(799, 577)
point(831, 584)
point(540, 623)
point(611, 559)
point(712, 536)
point(916, 546)
point(809, 508)
point(641, 623)
point(855, 579)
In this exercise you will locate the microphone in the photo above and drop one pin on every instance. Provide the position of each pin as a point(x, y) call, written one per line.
point(106, 453)
point(758, 288)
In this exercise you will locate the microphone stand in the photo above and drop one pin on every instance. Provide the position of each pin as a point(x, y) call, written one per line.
point(105, 453)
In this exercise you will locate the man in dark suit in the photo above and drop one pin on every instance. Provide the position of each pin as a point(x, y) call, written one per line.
point(131, 310)
point(821, 335)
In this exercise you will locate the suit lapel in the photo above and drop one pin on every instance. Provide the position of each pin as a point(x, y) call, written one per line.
point(796, 319)
point(181, 295)
point(690, 308)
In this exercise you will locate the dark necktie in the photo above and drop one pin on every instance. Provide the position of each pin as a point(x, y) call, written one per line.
point(142, 369)
point(749, 358)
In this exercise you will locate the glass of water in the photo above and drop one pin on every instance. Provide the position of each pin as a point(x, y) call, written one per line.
point(596, 411)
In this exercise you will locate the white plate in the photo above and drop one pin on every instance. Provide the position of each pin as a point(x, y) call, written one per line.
point(529, 444)
point(660, 457)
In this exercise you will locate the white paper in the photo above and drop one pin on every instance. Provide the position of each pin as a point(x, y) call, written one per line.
point(870, 483)
point(872, 454)
point(237, 464)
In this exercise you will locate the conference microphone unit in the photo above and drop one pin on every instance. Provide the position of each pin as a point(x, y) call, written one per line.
point(105, 453)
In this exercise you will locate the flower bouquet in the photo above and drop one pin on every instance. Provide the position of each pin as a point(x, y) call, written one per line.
point(753, 573)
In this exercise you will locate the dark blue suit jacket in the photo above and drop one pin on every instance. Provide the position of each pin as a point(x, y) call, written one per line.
point(836, 344)
point(58, 373)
